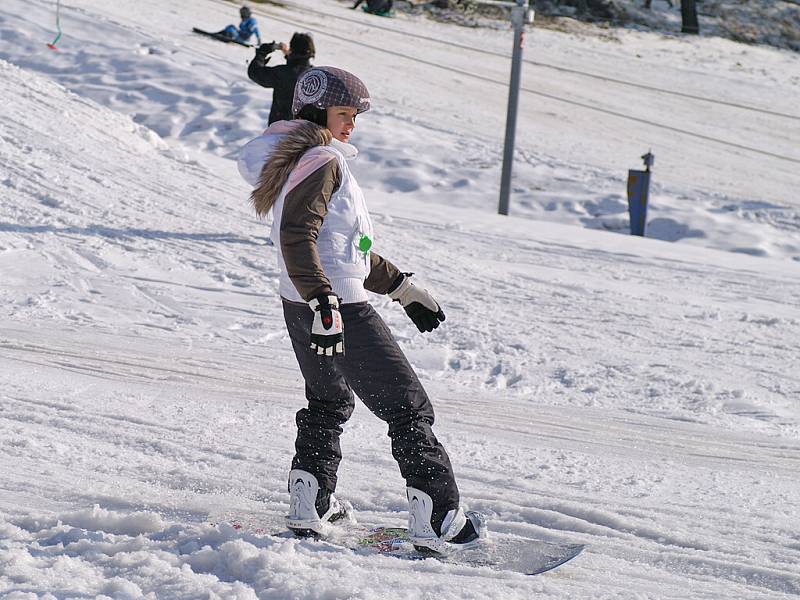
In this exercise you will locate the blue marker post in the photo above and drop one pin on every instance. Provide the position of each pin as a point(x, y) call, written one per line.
point(638, 195)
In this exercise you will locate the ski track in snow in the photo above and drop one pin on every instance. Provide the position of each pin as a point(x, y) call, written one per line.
point(635, 396)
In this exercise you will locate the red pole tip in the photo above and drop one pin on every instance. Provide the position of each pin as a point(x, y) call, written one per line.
point(52, 47)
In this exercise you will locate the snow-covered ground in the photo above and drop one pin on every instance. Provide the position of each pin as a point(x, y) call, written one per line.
point(631, 394)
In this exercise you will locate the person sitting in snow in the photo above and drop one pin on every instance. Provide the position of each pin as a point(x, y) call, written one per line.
point(247, 28)
point(324, 237)
point(282, 78)
point(376, 7)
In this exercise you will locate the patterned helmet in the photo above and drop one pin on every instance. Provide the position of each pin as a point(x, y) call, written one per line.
point(323, 87)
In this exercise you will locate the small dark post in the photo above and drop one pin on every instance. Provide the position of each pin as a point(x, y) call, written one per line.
point(639, 194)
point(689, 23)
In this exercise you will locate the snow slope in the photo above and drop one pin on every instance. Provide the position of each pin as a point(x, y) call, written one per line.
point(634, 395)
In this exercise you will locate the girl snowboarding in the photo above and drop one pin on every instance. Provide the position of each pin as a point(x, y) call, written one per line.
point(324, 237)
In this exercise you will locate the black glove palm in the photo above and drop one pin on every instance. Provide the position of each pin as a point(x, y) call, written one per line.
point(424, 318)
point(418, 304)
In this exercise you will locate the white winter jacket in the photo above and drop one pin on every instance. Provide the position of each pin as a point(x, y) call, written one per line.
point(344, 239)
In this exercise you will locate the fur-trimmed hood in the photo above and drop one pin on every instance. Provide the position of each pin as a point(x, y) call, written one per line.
point(282, 154)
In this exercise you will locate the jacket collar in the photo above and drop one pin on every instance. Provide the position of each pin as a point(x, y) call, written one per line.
point(347, 150)
point(298, 59)
point(282, 128)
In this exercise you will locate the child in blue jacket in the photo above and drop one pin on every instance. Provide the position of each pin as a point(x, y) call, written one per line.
point(247, 28)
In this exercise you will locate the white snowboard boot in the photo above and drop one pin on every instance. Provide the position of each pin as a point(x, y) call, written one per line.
point(459, 530)
point(303, 519)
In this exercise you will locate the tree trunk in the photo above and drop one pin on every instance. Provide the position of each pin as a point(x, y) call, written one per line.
point(689, 17)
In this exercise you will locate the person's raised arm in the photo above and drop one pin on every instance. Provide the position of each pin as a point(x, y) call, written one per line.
point(258, 71)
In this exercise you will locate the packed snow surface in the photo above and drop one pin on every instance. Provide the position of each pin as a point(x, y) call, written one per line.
point(635, 395)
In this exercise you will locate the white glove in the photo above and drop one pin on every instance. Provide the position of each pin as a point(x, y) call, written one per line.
point(327, 330)
point(418, 304)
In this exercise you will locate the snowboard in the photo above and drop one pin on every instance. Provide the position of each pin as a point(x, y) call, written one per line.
point(498, 552)
point(501, 552)
point(221, 38)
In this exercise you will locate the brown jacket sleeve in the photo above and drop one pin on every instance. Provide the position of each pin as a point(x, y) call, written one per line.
point(304, 210)
point(382, 274)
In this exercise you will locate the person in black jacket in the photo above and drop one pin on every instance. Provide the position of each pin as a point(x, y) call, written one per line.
point(282, 78)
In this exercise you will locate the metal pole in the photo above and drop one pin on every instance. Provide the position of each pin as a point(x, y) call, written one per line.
point(520, 14)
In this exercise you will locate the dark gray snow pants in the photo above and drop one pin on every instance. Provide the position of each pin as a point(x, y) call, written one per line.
point(375, 368)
